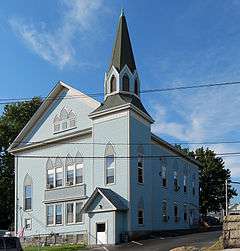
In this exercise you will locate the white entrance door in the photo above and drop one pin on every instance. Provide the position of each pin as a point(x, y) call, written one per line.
point(101, 233)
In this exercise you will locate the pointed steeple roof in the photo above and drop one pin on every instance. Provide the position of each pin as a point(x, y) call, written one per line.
point(122, 52)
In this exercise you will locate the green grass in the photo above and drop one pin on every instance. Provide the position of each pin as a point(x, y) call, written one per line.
point(67, 247)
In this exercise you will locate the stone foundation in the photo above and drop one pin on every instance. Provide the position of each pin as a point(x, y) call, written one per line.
point(231, 231)
point(54, 239)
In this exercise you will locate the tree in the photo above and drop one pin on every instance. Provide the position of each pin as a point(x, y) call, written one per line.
point(212, 177)
point(14, 118)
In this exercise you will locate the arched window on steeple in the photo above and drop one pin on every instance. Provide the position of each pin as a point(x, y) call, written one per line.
point(125, 83)
point(113, 84)
point(136, 87)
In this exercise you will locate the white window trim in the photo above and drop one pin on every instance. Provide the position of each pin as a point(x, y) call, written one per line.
point(74, 213)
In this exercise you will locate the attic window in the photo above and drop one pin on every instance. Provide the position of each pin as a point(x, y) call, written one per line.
point(64, 121)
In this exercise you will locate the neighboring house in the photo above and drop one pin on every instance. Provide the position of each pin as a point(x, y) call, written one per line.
point(96, 170)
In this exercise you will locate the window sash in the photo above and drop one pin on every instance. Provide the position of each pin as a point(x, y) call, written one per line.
point(58, 214)
point(70, 213)
point(79, 173)
point(50, 215)
point(28, 197)
point(78, 214)
point(140, 217)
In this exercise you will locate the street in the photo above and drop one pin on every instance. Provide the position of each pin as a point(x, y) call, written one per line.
point(165, 244)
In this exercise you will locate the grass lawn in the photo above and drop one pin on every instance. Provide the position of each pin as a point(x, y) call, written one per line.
point(67, 247)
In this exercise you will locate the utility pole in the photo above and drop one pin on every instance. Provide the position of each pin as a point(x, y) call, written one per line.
point(226, 196)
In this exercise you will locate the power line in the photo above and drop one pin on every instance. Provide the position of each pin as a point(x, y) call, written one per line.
point(225, 154)
point(4, 101)
point(121, 143)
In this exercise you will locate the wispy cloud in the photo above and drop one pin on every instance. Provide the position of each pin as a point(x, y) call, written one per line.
point(56, 46)
point(206, 115)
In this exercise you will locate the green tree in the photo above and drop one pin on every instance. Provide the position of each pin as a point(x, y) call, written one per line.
point(14, 118)
point(212, 177)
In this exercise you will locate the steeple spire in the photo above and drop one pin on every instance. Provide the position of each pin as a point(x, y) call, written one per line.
point(122, 52)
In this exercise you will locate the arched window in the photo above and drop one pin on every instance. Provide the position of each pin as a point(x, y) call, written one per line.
point(136, 87)
point(27, 193)
point(125, 83)
point(56, 123)
point(140, 165)
point(79, 168)
point(113, 84)
point(109, 164)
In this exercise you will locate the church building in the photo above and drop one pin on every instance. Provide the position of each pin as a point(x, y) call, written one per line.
point(94, 171)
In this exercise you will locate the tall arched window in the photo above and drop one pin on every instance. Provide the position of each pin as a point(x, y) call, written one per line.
point(125, 83)
point(109, 164)
point(113, 84)
point(136, 87)
point(140, 165)
point(27, 193)
point(79, 168)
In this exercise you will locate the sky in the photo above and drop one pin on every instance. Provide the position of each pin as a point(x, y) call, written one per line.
point(174, 43)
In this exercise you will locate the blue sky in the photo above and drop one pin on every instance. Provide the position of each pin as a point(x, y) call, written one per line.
point(174, 43)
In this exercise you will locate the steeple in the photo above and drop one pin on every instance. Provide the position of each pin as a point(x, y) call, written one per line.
point(122, 51)
point(121, 83)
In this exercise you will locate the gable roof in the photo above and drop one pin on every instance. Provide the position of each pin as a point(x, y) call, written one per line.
point(122, 51)
point(59, 87)
point(172, 148)
point(112, 197)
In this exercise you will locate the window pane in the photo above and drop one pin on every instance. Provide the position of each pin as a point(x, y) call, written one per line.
point(109, 160)
point(27, 223)
point(110, 175)
point(140, 175)
point(59, 177)
point(28, 203)
point(58, 214)
point(70, 213)
point(56, 127)
point(70, 174)
point(79, 173)
point(72, 122)
point(28, 191)
point(28, 197)
point(64, 125)
point(49, 215)
point(140, 217)
point(78, 212)
point(50, 178)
